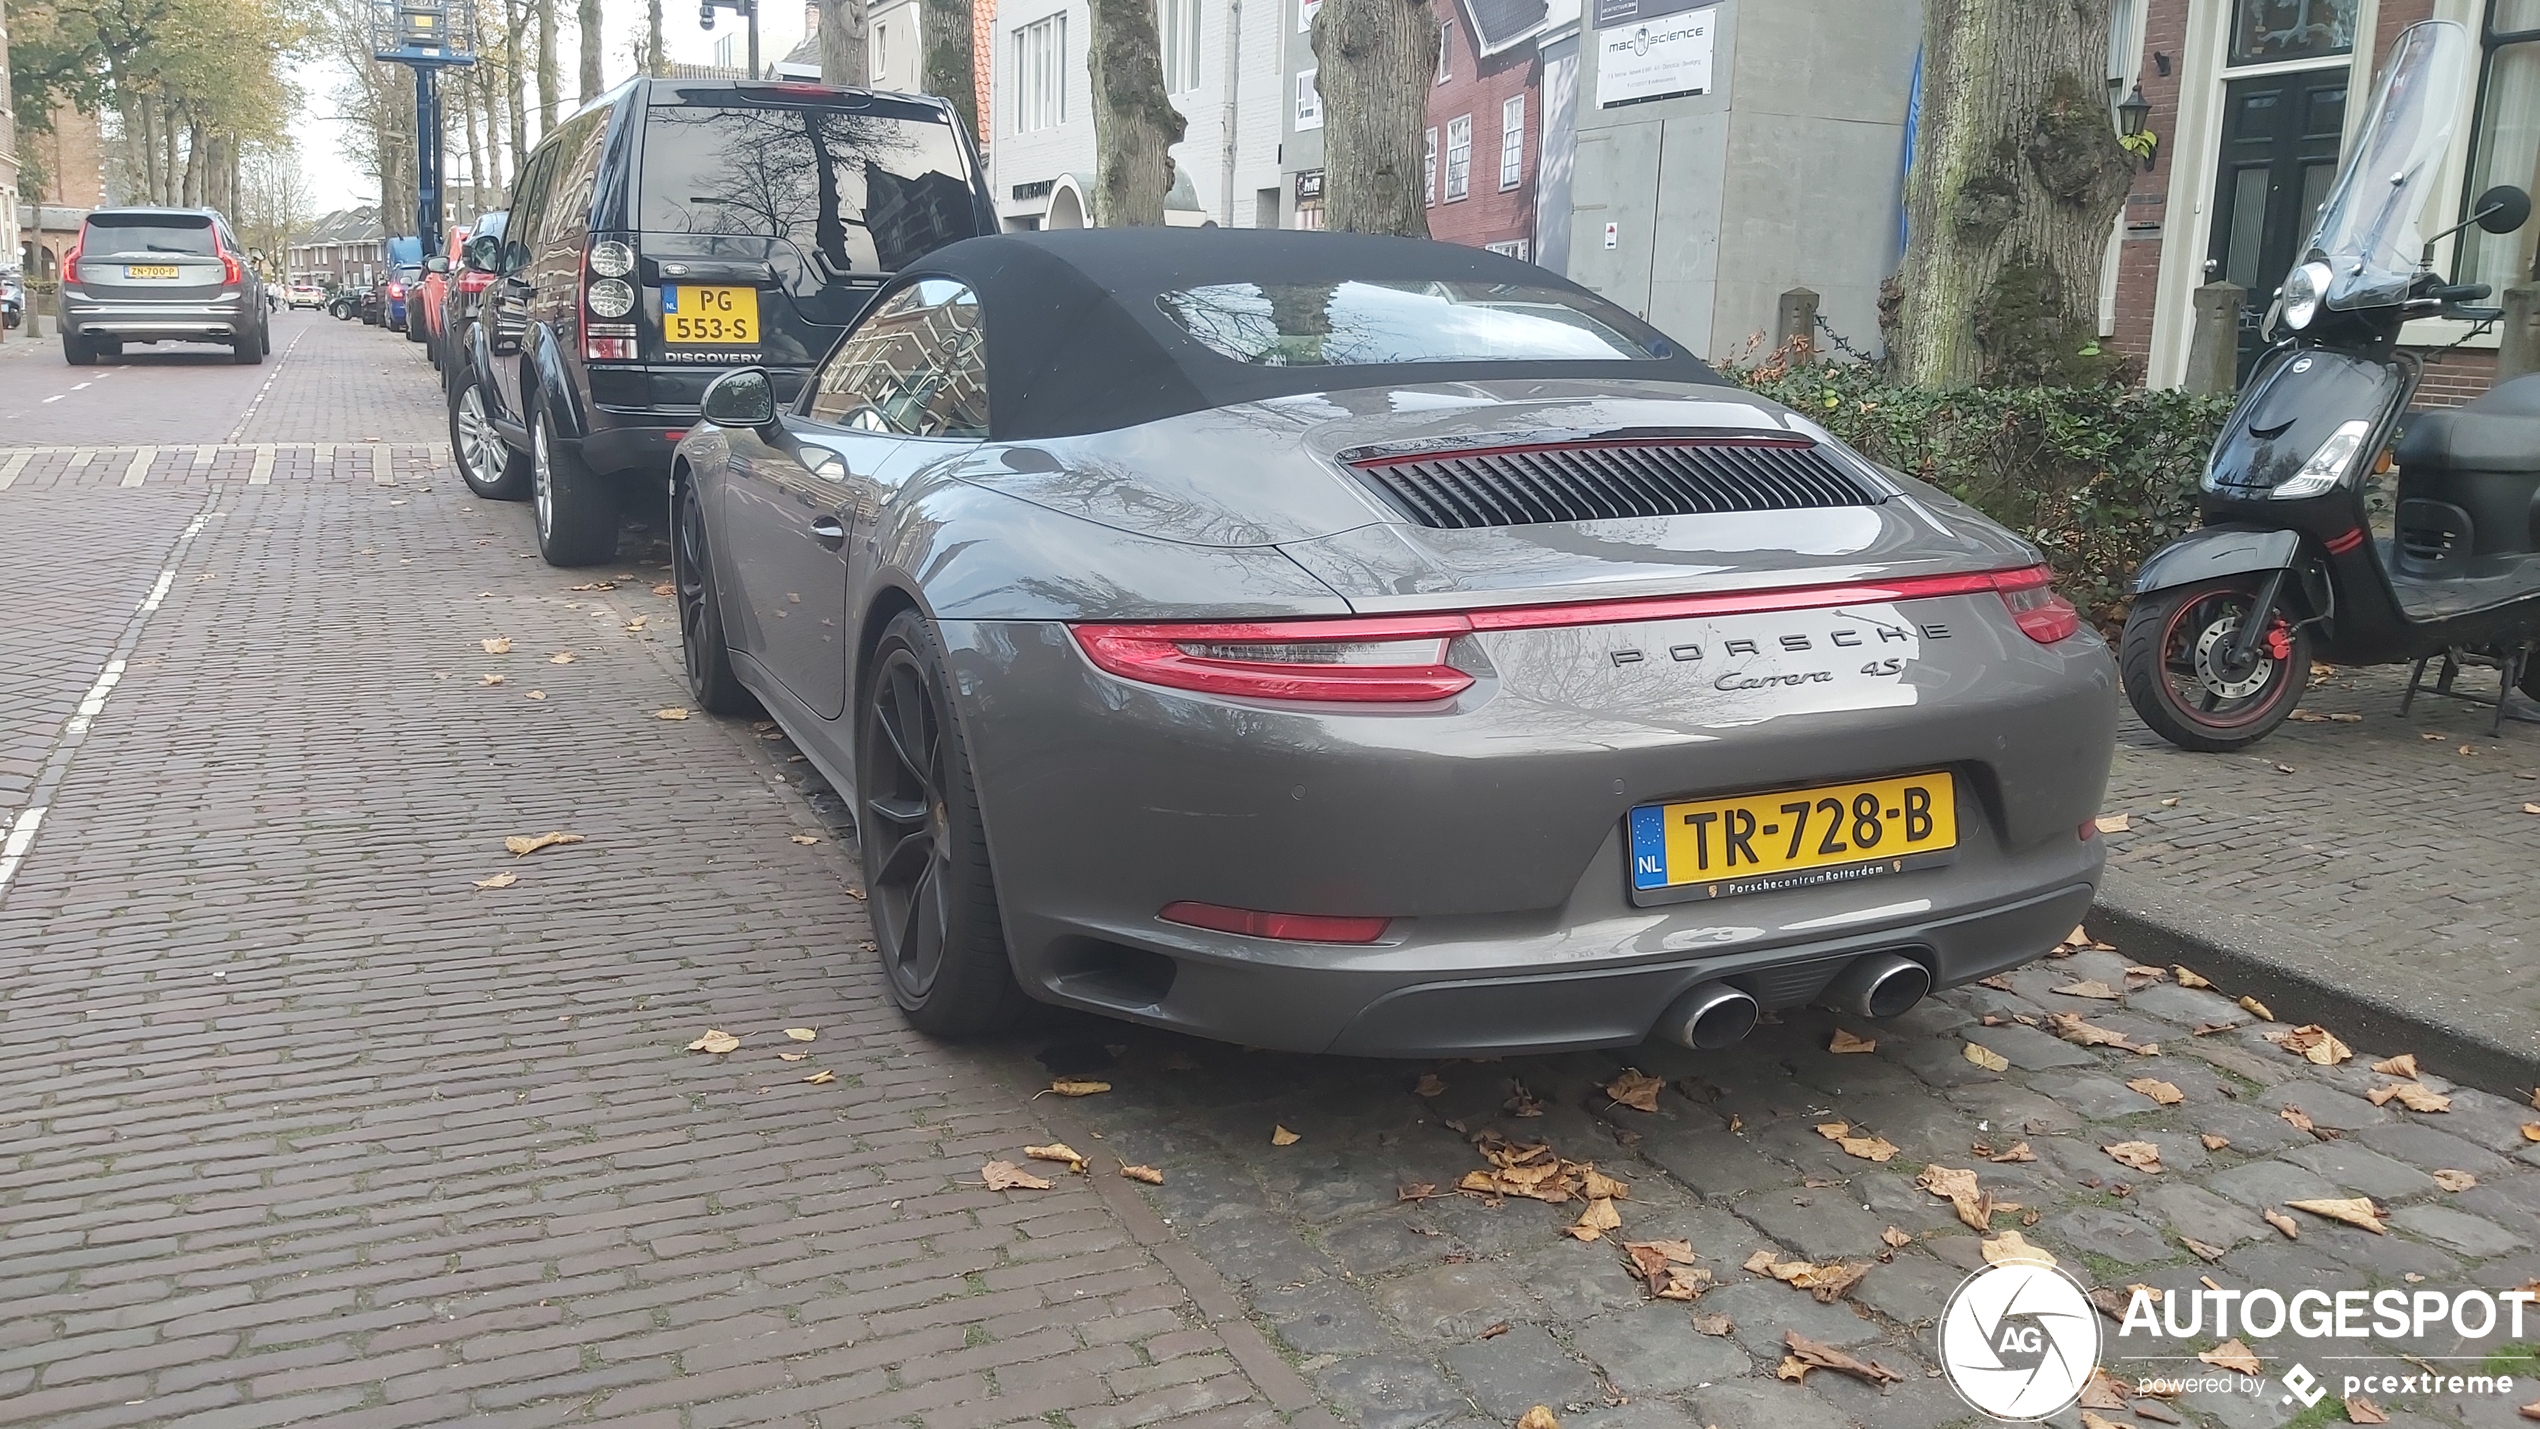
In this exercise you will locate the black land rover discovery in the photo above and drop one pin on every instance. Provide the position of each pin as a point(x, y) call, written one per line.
point(671, 230)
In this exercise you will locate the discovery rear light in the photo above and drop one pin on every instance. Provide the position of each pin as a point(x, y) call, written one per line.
point(2041, 614)
point(1288, 927)
point(1347, 659)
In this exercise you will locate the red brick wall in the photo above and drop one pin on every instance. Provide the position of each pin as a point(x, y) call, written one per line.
point(2147, 202)
point(2456, 376)
point(1478, 87)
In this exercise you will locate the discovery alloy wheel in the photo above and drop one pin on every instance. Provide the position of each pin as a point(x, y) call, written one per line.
point(489, 465)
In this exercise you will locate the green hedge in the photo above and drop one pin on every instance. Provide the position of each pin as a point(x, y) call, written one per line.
point(2098, 477)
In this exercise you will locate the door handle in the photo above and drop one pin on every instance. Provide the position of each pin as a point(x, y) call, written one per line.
point(831, 533)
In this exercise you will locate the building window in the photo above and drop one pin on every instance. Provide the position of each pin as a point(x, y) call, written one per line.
point(2264, 31)
point(2506, 136)
point(1040, 75)
point(1429, 170)
point(881, 50)
point(1459, 157)
point(1180, 40)
point(1512, 142)
point(1446, 47)
point(1309, 102)
point(1305, 15)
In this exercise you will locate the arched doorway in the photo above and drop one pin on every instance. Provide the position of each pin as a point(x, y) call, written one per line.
point(1067, 208)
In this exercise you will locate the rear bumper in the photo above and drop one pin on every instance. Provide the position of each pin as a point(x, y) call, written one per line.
point(1492, 834)
point(220, 320)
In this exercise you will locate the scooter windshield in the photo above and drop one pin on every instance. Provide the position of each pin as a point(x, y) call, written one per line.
point(2368, 230)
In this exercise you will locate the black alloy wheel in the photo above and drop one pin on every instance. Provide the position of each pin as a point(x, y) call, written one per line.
point(702, 649)
point(2181, 678)
point(929, 888)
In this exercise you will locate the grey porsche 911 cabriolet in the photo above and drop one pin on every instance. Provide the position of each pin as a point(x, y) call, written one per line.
point(1353, 644)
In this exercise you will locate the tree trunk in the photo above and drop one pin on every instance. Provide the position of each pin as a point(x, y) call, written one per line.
point(845, 55)
point(190, 190)
point(513, 92)
point(2017, 178)
point(476, 193)
point(950, 68)
point(588, 12)
point(656, 51)
point(550, 73)
point(1375, 63)
point(1135, 127)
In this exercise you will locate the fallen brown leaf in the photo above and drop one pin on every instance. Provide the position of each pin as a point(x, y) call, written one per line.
point(1868, 1148)
point(2011, 1246)
point(489, 679)
point(1006, 1176)
point(2209, 1253)
point(2301, 1120)
point(2353, 1210)
point(1521, 1102)
point(2159, 1091)
point(802, 1034)
point(2114, 823)
point(2016, 1151)
point(2415, 1096)
point(1808, 1354)
point(665, 588)
point(1058, 1151)
point(1428, 1086)
point(535, 695)
point(791, 1056)
point(561, 657)
point(1827, 1282)
point(1959, 1188)
point(1281, 1136)
point(499, 645)
point(594, 585)
point(1538, 1418)
point(1072, 1087)
point(806, 839)
point(672, 713)
point(716, 1041)
point(522, 845)
point(1895, 1239)
point(2072, 1028)
point(2098, 1421)
point(2208, 1029)
point(1599, 1217)
point(2090, 987)
point(2189, 978)
point(636, 624)
point(1845, 1042)
point(1635, 1089)
point(2364, 1411)
point(1712, 1325)
point(2141, 1155)
point(1987, 1058)
point(2292, 1228)
point(2531, 1131)
point(2214, 1142)
point(2104, 1391)
point(2314, 1044)
point(821, 1078)
point(1147, 1174)
point(2231, 1354)
point(2256, 1009)
point(500, 880)
point(2403, 1065)
point(2451, 1180)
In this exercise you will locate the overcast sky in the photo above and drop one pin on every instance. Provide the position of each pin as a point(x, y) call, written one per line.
point(336, 180)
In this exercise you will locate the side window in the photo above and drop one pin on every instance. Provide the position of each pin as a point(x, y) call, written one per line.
point(916, 366)
point(529, 196)
point(568, 217)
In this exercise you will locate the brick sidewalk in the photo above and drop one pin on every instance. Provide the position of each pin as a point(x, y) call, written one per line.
point(304, 1126)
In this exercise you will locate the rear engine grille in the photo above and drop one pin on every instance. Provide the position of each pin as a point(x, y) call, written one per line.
point(1526, 486)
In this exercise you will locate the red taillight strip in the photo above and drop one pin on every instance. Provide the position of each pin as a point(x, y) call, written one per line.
point(1754, 602)
point(1288, 927)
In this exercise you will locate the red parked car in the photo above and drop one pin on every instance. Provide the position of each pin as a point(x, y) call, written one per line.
point(423, 309)
point(450, 293)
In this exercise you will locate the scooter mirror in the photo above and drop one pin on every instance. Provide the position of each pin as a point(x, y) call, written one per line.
point(2503, 209)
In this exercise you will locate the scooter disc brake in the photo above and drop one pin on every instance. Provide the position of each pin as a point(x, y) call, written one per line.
point(2209, 650)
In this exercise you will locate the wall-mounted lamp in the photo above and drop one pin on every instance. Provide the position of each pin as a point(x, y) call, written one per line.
point(2138, 140)
point(2161, 62)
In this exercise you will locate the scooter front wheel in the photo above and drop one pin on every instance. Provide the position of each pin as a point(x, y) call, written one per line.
point(2181, 678)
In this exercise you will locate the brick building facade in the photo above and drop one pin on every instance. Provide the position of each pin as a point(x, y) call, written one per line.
point(1484, 119)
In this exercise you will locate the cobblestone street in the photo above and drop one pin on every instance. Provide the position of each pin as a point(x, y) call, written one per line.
point(326, 1108)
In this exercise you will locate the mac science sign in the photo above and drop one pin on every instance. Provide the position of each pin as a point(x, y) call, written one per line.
point(1652, 49)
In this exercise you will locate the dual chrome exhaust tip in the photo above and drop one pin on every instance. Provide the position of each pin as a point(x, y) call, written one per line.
point(1712, 1015)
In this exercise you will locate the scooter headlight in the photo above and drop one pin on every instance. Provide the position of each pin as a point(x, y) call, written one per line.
point(2302, 291)
point(2329, 464)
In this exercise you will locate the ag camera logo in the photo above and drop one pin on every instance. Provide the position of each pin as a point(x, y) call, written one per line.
point(2019, 1340)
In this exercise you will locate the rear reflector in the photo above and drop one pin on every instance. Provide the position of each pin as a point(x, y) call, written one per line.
point(1289, 927)
point(1402, 659)
point(608, 349)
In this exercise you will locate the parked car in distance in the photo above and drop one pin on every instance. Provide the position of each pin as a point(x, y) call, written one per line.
point(344, 303)
point(12, 298)
point(1347, 644)
point(394, 291)
point(461, 294)
point(154, 275)
point(425, 326)
point(304, 295)
point(670, 231)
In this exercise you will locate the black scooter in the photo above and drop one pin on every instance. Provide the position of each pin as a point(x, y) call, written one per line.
point(2218, 646)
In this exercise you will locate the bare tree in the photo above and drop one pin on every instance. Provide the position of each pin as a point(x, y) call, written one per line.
point(1135, 126)
point(550, 71)
point(1375, 61)
point(2017, 177)
point(591, 48)
point(656, 55)
point(845, 56)
point(950, 65)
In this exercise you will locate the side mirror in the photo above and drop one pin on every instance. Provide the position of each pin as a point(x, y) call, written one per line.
point(436, 264)
point(742, 397)
point(481, 251)
point(2503, 209)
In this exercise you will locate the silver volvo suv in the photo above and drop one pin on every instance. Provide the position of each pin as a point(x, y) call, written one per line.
point(160, 275)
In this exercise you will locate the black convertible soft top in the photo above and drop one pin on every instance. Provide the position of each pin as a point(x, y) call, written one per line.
point(1077, 343)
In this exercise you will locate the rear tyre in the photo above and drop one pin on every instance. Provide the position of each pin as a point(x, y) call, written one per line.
point(929, 888)
point(248, 348)
point(2178, 676)
point(77, 352)
point(491, 466)
point(708, 658)
point(576, 506)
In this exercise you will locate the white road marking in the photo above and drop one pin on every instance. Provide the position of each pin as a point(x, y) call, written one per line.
point(381, 471)
point(263, 474)
point(140, 467)
point(81, 386)
point(9, 469)
point(21, 838)
point(259, 400)
point(56, 397)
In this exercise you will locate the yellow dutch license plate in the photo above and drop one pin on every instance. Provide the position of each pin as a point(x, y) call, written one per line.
point(1792, 838)
point(727, 316)
point(149, 270)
